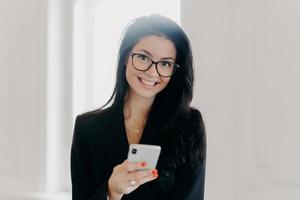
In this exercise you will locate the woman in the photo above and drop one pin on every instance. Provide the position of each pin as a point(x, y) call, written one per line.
point(150, 105)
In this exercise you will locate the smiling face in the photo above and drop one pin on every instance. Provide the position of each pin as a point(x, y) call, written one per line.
point(148, 83)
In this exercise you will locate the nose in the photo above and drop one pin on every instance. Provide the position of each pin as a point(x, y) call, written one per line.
point(152, 71)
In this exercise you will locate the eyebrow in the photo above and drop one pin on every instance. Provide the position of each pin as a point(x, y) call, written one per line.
point(147, 52)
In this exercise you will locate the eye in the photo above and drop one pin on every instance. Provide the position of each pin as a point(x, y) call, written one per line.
point(142, 57)
point(166, 64)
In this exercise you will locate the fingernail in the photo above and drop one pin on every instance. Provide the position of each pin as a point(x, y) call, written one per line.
point(143, 164)
point(155, 172)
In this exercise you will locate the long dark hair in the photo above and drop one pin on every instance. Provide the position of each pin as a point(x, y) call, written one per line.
point(172, 105)
point(175, 99)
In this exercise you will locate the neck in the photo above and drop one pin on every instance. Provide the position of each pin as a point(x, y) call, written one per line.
point(137, 107)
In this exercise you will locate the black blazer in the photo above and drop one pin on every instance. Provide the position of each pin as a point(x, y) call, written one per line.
point(100, 143)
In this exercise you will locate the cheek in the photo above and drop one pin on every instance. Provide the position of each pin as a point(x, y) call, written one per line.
point(164, 82)
point(130, 74)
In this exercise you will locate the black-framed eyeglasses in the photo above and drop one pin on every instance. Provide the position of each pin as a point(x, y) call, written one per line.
point(142, 62)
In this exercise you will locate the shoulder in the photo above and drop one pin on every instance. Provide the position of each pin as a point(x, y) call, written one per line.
point(88, 124)
point(194, 122)
point(95, 117)
point(195, 117)
point(189, 122)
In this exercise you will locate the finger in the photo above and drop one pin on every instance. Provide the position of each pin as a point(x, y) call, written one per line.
point(147, 179)
point(134, 166)
point(138, 174)
point(128, 176)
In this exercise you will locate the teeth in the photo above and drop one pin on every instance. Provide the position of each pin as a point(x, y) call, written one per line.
point(147, 82)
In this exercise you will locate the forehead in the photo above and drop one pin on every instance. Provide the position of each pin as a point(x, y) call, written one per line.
point(158, 46)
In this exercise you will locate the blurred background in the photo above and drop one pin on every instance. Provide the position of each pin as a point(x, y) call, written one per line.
point(57, 60)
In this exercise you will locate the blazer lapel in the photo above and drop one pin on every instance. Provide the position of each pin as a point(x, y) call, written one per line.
point(114, 141)
point(113, 135)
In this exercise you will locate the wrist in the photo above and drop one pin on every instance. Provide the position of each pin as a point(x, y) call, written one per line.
point(111, 194)
point(114, 196)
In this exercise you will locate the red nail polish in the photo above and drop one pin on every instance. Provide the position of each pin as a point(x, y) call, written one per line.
point(143, 164)
point(155, 172)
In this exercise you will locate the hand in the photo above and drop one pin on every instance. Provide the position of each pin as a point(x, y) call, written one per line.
point(125, 178)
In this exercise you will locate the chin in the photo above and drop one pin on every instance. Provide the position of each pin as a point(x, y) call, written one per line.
point(147, 95)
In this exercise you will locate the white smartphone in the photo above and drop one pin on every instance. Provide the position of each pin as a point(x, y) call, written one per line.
point(144, 152)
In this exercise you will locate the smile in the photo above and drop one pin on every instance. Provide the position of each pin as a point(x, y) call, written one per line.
point(148, 82)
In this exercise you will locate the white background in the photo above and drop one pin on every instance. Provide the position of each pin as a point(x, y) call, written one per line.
point(247, 87)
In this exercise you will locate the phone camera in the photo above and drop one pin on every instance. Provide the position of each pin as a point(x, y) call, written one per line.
point(133, 151)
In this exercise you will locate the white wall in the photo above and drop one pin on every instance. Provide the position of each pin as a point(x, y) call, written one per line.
point(36, 106)
point(23, 95)
point(247, 77)
point(247, 86)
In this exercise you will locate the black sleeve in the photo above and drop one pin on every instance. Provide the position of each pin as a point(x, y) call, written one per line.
point(190, 183)
point(81, 168)
point(190, 180)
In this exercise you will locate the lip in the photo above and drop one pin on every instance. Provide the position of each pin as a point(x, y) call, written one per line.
point(148, 86)
point(149, 79)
